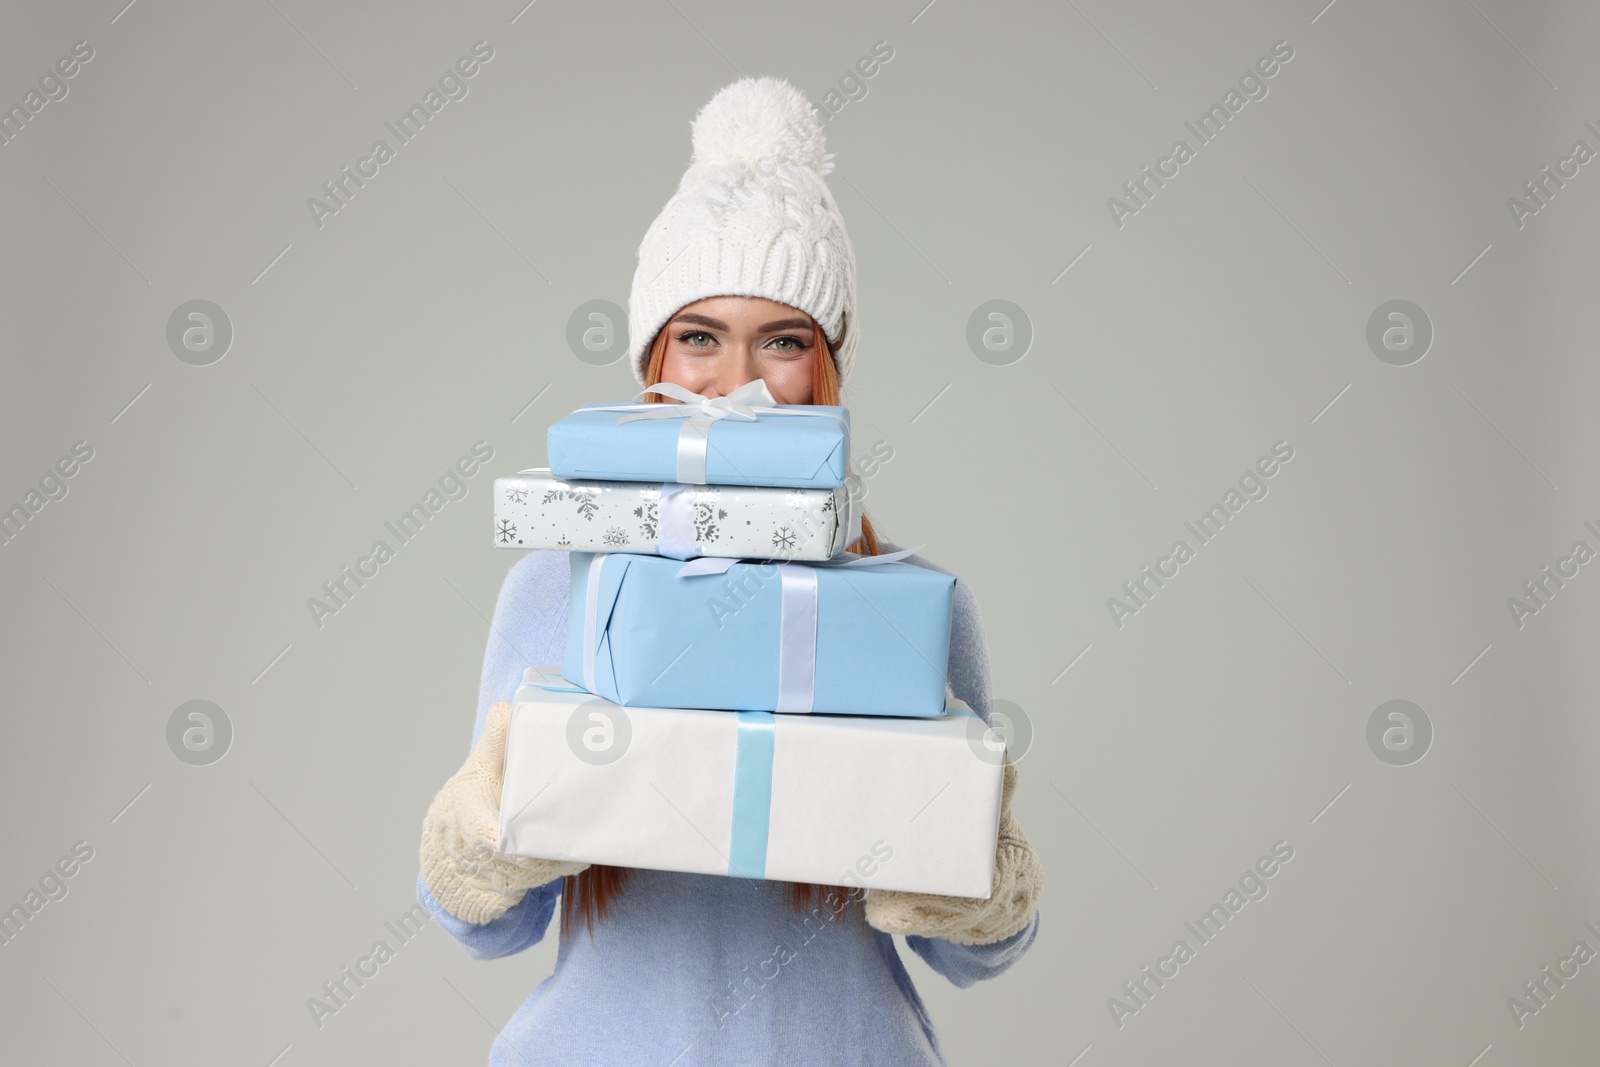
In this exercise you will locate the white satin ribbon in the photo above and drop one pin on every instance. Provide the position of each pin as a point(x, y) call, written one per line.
point(675, 522)
point(694, 437)
point(797, 640)
point(744, 403)
point(720, 564)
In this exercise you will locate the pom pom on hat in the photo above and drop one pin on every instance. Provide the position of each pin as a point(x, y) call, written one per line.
point(752, 217)
point(760, 118)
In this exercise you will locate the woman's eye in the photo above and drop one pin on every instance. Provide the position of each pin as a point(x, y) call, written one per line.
point(691, 338)
point(794, 344)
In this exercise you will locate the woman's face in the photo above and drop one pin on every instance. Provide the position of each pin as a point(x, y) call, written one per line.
point(717, 344)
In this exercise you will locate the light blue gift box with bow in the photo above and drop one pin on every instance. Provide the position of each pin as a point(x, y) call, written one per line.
point(864, 636)
point(743, 438)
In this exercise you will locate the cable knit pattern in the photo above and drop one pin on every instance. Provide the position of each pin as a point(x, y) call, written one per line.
point(704, 970)
point(752, 217)
point(464, 871)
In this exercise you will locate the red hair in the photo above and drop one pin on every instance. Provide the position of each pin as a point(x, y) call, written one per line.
point(586, 896)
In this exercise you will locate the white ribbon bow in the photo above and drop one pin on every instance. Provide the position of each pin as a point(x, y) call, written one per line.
point(745, 403)
point(698, 412)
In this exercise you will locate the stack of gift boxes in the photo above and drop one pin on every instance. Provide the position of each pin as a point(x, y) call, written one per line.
point(740, 696)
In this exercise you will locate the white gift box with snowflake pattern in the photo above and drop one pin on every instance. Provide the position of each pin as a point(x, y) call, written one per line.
point(533, 509)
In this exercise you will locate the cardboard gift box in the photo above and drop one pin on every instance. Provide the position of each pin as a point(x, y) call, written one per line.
point(869, 636)
point(535, 509)
point(790, 445)
point(906, 804)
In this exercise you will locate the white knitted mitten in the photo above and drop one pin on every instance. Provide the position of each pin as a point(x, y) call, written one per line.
point(1018, 881)
point(460, 865)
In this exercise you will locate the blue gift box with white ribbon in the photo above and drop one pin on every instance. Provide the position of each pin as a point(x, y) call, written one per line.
point(743, 438)
point(865, 636)
point(862, 801)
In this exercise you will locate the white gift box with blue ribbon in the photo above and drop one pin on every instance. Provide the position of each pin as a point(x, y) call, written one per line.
point(867, 636)
point(904, 804)
point(743, 438)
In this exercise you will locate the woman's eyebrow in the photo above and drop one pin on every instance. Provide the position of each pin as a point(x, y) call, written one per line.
point(717, 324)
point(787, 324)
point(701, 320)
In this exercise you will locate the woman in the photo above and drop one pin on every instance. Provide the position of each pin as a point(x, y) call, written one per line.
point(746, 274)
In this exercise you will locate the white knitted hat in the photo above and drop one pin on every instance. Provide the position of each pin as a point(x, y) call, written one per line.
point(751, 217)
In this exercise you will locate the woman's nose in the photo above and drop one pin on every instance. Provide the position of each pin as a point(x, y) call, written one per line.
point(735, 371)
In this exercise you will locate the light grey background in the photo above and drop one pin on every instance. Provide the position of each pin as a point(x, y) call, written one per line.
point(1229, 313)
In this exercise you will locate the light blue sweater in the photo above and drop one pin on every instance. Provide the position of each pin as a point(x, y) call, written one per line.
point(693, 970)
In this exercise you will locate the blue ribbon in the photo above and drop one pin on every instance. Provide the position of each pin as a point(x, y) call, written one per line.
point(752, 795)
point(549, 688)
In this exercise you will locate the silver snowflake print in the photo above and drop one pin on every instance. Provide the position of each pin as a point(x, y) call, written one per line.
point(564, 542)
point(783, 537)
point(615, 537)
point(705, 522)
point(517, 496)
point(795, 499)
point(506, 531)
point(646, 513)
point(827, 505)
point(584, 498)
